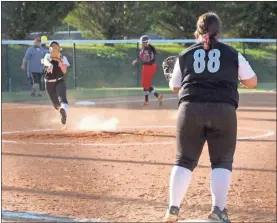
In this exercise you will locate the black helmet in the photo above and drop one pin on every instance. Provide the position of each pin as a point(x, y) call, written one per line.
point(144, 39)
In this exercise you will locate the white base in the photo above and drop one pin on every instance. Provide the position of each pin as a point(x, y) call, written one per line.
point(85, 103)
point(211, 221)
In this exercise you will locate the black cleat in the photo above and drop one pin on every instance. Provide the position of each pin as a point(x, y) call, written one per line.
point(63, 116)
point(217, 214)
point(171, 215)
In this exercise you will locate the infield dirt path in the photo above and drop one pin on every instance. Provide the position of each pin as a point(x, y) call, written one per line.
point(124, 175)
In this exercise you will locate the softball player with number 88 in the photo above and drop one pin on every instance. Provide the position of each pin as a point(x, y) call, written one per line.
point(206, 77)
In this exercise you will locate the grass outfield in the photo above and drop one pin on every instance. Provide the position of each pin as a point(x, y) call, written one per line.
point(101, 66)
point(79, 94)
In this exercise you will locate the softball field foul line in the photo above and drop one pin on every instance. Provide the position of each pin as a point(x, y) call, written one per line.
point(268, 134)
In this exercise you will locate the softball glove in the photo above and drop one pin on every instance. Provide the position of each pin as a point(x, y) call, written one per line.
point(168, 66)
point(55, 53)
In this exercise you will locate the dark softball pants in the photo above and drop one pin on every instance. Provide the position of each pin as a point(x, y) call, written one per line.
point(197, 123)
point(57, 93)
point(36, 78)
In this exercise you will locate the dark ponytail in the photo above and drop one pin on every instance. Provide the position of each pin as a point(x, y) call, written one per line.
point(208, 27)
point(209, 41)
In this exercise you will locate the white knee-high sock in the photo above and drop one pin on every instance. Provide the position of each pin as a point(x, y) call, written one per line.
point(220, 184)
point(179, 182)
point(64, 106)
point(153, 92)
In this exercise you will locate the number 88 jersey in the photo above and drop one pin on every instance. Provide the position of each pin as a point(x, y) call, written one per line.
point(209, 75)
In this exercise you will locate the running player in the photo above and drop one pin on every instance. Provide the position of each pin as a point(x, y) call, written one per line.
point(56, 66)
point(147, 57)
point(205, 75)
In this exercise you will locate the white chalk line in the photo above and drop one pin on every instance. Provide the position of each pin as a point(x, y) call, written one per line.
point(263, 102)
point(128, 101)
point(267, 134)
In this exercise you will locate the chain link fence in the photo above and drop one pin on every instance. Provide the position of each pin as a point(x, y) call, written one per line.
point(110, 65)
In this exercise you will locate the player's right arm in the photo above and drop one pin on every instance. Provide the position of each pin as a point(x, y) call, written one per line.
point(26, 57)
point(176, 78)
point(247, 76)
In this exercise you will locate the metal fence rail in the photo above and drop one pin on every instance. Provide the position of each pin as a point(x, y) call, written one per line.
point(107, 63)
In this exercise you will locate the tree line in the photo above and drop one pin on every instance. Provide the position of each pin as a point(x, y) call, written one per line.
point(118, 20)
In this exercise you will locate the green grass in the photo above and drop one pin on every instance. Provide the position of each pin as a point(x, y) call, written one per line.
point(262, 58)
point(106, 66)
point(87, 94)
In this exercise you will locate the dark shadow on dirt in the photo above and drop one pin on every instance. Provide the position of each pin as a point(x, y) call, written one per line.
point(122, 161)
point(80, 195)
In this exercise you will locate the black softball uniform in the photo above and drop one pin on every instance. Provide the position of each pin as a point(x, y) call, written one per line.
point(55, 83)
point(208, 99)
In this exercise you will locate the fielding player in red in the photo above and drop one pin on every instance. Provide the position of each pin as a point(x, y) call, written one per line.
point(147, 57)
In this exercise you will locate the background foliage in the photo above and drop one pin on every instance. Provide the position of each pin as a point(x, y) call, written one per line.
point(116, 20)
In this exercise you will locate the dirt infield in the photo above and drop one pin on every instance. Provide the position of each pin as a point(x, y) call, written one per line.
point(123, 174)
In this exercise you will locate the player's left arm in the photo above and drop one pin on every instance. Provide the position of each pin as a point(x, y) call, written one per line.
point(247, 76)
point(64, 64)
point(172, 73)
point(176, 78)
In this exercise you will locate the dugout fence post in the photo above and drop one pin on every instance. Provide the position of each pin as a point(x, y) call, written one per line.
point(74, 66)
point(9, 80)
point(243, 49)
point(138, 79)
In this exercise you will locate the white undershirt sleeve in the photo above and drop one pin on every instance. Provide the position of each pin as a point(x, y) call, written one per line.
point(176, 79)
point(65, 61)
point(245, 71)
